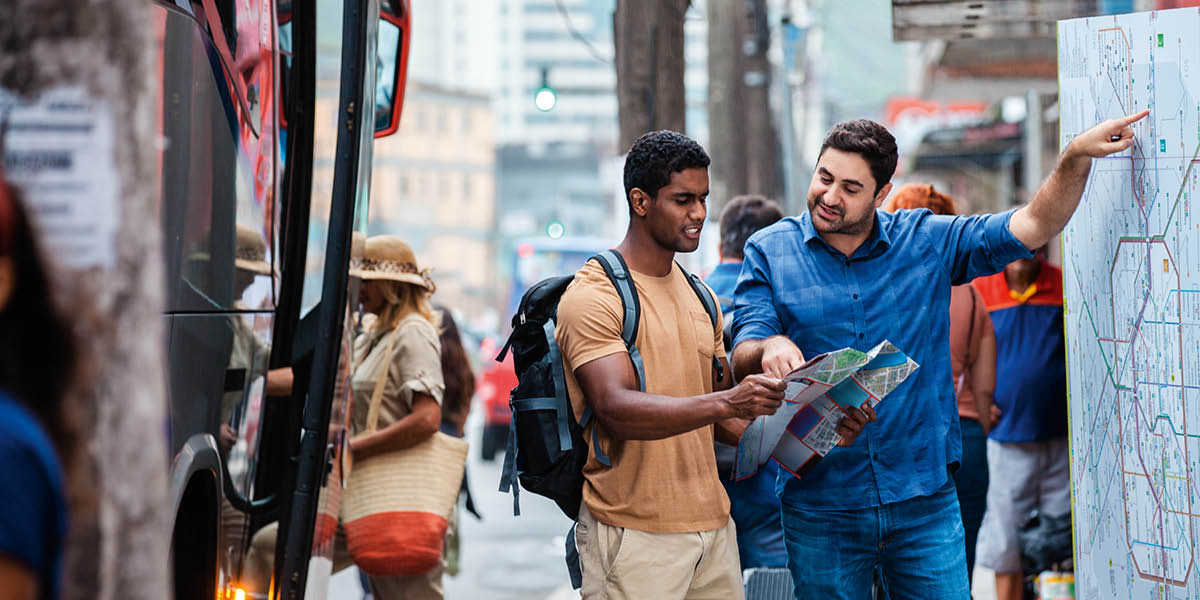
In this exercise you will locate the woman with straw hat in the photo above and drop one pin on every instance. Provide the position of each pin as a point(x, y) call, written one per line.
point(396, 367)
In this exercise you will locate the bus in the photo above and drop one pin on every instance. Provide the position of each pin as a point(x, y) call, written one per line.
point(266, 118)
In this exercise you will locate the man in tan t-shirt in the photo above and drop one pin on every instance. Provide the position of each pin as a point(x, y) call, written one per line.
point(656, 523)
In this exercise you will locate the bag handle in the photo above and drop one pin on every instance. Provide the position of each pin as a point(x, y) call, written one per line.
point(377, 395)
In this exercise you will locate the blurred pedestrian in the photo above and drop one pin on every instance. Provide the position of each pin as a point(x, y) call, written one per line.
point(973, 367)
point(456, 405)
point(399, 354)
point(846, 274)
point(655, 520)
point(1027, 449)
point(37, 434)
point(753, 503)
point(457, 374)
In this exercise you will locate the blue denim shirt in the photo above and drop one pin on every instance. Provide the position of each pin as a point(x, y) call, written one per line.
point(723, 281)
point(896, 287)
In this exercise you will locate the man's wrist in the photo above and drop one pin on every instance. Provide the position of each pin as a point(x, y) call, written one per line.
point(721, 408)
point(1074, 159)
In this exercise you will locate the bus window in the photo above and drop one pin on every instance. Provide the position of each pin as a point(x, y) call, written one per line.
point(211, 203)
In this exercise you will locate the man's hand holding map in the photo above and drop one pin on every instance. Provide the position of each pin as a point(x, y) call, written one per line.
point(804, 429)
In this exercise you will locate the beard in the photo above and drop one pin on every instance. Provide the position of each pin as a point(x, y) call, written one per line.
point(843, 224)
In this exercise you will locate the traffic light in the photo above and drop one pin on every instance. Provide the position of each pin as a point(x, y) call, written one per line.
point(555, 229)
point(545, 97)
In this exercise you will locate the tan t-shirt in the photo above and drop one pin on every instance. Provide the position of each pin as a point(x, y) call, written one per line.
point(413, 366)
point(668, 485)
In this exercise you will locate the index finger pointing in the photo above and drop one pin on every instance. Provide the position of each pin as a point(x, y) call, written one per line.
point(1129, 120)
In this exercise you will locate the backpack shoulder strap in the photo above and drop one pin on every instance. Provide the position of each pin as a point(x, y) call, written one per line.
point(710, 307)
point(702, 292)
point(618, 273)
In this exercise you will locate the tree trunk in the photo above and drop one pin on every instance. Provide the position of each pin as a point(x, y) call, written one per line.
point(117, 545)
point(648, 40)
point(743, 140)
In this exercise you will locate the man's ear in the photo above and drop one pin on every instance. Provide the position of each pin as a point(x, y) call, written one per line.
point(639, 201)
point(883, 194)
point(8, 280)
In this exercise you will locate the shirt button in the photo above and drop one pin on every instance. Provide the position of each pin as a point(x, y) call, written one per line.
point(860, 336)
point(855, 296)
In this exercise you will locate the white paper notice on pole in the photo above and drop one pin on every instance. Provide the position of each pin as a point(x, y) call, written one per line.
point(58, 149)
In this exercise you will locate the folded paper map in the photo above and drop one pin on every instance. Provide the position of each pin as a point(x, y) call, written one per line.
point(804, 429)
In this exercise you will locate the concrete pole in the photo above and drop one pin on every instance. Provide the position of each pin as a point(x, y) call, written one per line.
point(112, 287)
point(1031, 146)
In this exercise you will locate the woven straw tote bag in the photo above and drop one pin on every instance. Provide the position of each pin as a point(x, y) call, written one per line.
point(397, 505)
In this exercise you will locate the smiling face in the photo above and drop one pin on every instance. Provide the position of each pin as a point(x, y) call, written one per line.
point(842, 198)
point(675, 216)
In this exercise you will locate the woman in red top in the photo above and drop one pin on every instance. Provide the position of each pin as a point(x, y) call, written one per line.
point(973, 360)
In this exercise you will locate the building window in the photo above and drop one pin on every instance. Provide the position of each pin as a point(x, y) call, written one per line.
point(466, 122)
point(466, 188)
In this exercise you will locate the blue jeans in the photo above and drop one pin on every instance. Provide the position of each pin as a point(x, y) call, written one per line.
point(915, 546)
point(971, 480)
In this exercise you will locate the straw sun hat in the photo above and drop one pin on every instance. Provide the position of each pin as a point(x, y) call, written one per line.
point(251, 251)
point(387, 257)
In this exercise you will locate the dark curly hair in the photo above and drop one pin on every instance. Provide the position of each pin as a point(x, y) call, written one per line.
point(655, 155)
point(743, 216)
point(38, 353)
point(869, 140)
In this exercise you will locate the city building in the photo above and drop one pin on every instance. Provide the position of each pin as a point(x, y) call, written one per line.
point(434, 185)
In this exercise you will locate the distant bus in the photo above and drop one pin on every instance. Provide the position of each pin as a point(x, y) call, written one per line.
point(536, 258)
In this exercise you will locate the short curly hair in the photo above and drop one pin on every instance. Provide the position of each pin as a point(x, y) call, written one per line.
point(918, 195)
point(869, 140)
point(655, 155)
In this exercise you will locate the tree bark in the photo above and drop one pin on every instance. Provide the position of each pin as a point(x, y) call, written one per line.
point(648, 40)
point(117, 545)
point(743, 140)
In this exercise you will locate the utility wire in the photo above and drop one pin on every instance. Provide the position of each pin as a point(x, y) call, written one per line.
point(579, 36)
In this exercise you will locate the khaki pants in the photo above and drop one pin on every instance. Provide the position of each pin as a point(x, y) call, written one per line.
point(620, 563)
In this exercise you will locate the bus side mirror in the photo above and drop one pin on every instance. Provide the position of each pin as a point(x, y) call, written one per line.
point(391, 66)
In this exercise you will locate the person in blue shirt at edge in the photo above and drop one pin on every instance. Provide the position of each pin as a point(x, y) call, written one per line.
point(848, 274)
point(37, 362)
point(754, 506)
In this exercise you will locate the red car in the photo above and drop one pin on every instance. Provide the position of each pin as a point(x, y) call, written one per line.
point(493, 387)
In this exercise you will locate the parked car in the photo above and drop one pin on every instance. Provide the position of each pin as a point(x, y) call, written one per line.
point(493, 387)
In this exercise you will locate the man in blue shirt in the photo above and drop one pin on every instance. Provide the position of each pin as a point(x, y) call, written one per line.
point(847, 274)
point(753, 504)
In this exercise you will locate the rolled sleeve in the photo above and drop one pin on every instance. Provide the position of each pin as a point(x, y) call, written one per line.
point(589, 325)
point(754, 315)
point(976, 245)
point(416, 366)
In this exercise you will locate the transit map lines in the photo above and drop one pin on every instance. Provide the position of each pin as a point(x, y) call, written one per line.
point(1131, 270)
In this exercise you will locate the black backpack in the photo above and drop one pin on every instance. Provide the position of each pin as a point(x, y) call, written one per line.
point(546, 445)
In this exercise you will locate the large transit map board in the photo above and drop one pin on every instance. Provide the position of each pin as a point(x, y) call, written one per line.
point(1131, 270)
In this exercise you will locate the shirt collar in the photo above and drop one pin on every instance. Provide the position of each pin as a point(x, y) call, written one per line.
point(878, 242)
